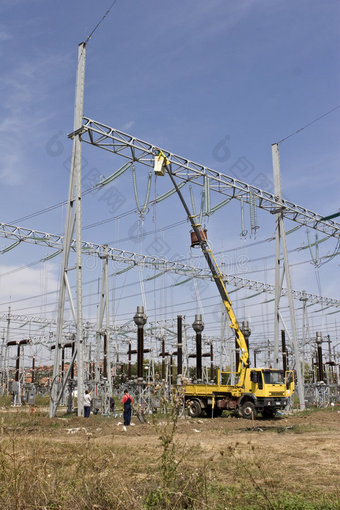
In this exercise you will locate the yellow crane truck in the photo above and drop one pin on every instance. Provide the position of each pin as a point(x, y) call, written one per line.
point(248, 390)
point(255, 390)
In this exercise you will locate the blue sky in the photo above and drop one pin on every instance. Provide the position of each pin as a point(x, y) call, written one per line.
point(184, 75)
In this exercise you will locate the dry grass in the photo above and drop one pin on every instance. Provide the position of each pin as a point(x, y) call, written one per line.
point(291, 463)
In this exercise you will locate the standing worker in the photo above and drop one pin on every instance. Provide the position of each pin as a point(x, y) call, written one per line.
point(87, 404)
point(112, 404)
point(127, 402)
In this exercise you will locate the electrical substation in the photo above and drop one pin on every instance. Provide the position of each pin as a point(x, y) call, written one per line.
point(163, 312)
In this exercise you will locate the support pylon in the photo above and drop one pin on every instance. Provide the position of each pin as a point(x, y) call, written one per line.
point(280, 242)
point(73, 225)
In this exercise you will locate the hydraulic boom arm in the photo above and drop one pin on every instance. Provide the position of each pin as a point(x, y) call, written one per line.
point(218, 279)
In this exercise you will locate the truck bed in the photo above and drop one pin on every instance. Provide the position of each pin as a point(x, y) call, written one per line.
point(208, 390)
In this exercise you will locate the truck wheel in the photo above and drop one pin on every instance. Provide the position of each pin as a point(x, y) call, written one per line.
point(248, 410)
point(194, 409)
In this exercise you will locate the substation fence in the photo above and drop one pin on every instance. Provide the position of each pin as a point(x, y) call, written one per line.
point(321, 394)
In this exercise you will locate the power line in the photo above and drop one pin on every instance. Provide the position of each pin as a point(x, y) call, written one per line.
point(100, 21)
point(41, 211)
point(21, 268)
point(310, 123)
point(150, 232)
point(49, 208)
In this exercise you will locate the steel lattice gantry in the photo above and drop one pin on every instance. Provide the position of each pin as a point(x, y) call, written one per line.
point(22, 234)
point(34, 319)
point(134, 149)
point(73, 227)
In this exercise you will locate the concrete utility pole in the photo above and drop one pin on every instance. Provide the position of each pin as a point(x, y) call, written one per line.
point(280, 240)
point(73, 223)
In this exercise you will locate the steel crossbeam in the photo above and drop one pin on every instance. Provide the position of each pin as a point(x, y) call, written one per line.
point(33, 319)
point(240, 282)
point(134, 149)
point(22, 234)
point(36, 319)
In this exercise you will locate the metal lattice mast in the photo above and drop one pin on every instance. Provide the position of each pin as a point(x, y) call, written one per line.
point(5, 355)
point(281, 240)
point(104, 308)
point(223, 325)
point(222, 336)
point(100, 324)
point(73, 223)
point(107, 323)
point(2, 364)
point(305, 330)
point(7, 341)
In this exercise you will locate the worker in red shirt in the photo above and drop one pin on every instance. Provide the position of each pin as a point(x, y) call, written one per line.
point(127, 402)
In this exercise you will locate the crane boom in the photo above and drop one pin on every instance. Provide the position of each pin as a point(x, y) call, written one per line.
point(256, 389)
point(218, 279)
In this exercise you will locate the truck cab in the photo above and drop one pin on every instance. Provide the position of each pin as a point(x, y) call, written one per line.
point(267, 389)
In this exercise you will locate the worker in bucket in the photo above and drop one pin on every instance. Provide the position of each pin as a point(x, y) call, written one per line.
point(127, 402)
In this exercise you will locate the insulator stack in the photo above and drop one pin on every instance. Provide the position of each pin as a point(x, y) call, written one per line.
point(198, 327)
point(140, 321)
point(319, 349)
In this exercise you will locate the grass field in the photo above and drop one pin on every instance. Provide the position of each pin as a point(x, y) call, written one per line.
point(289, 463)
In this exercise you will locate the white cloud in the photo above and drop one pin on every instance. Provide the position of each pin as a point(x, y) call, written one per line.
point(25, 91)
point(128, 125)
point(9, 174)
point(19, 284)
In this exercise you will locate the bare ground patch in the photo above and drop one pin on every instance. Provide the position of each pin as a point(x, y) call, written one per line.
point(67, 462)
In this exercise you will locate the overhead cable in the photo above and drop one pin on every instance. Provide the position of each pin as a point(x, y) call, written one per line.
point(310, 123)
point(100, 21)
